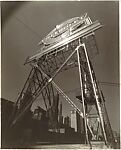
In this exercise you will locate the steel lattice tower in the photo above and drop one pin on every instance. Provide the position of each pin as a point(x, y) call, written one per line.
point(63, 48)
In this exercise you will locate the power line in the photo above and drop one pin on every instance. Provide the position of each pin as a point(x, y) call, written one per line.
point(102, 83)
point(28, 27)
point(110, 84)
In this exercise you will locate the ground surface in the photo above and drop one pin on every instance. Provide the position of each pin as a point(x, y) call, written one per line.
point(67, 146)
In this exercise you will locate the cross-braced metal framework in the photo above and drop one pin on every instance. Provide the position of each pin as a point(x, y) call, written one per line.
point(66, 47)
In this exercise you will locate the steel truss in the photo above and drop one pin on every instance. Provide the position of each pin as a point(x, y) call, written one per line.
point(40, 81)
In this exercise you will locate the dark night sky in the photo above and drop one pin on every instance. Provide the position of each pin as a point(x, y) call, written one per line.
point(25, 24)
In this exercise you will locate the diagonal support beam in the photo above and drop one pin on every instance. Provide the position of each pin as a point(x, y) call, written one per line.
point(68, 100)
point(46, 84)
point(63, 94)
point(82, 95)
point(97, 101)
point(42, 92)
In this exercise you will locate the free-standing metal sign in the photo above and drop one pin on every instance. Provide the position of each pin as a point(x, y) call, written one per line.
point(63, 48)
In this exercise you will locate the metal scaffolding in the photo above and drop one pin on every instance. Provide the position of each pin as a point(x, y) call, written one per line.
point(63, 48)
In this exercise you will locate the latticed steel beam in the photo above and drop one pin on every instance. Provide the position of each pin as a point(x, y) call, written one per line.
point(82, 94)
point(96, 97)
point(90, 27)
point(63, 48)
point(29, 90)
point(41, 87)
point(46, 92)
point(71, 103)
point(61, 92)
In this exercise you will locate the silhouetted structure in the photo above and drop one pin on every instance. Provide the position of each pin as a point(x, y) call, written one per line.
point(55, 107)
point(77, 122)
point(39, 123)
point(39, 113)
point(52, 114)
point(6, 109)
point(74, 120)
point(80, 124)
point(60, 115)
point(67, 121)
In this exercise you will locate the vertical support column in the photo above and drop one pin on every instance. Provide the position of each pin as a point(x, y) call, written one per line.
point(97, 102)
point(81, 84)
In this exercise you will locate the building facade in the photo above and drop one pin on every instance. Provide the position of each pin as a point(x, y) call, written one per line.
point(77, 122)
